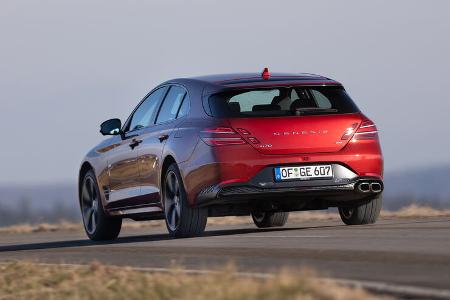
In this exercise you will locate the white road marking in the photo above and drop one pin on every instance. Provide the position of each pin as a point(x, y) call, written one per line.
point(374, 286)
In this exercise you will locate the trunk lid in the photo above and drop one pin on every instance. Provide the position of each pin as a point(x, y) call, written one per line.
point(298, 134)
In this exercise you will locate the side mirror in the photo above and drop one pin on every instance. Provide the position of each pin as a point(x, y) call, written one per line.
point(111, 127)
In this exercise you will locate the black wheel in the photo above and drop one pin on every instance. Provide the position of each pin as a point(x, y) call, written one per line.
point(364, 213)
point(270, 219)
point(182, 220)
point(97, 224)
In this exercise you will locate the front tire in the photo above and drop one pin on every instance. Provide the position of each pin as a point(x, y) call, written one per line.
point(182, 220)
point(270, 219)
point(97, 224)
point(363, 213)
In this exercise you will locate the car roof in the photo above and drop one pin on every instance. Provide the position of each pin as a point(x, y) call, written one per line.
point(248, 78)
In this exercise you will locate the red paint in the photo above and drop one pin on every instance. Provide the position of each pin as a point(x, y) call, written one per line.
point(265, 74)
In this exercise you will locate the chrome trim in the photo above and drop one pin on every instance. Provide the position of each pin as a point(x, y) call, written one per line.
point(364, 187)
point(138, 210)
point(116, 195)
point(375, 187)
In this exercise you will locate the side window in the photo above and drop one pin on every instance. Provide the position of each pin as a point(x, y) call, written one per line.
point(184, 109)
point(142, 116)
point(171, 104)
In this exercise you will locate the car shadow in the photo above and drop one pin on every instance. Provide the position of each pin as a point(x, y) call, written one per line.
point(146, 238)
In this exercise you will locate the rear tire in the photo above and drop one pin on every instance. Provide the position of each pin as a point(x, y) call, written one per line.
point(364, 213)
point(97, 224)
point(182, 220)
point(270, 219)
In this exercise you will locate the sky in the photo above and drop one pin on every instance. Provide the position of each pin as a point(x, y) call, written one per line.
point(66, 66)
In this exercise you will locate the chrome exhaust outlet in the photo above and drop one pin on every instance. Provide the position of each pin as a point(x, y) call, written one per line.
point(364, 187)
point(375, 187)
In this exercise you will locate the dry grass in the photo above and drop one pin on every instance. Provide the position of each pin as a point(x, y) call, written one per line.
point(416, 211)
point(24, 280)
point(412, 211)
point(43, 227)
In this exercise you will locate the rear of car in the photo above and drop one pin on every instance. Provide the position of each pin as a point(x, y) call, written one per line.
point(234, 144)
point(285, 144)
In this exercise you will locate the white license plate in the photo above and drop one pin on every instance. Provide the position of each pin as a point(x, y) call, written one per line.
point(303, 172)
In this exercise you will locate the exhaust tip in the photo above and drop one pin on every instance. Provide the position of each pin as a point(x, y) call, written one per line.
point(375, 187)
point(364, 187)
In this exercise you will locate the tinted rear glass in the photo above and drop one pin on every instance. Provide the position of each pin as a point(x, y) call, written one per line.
point(282, 101)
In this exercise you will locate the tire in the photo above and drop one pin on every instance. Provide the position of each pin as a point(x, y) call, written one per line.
point(97, 224)
point(364, 213)
point(182, 220)
point(270, 219)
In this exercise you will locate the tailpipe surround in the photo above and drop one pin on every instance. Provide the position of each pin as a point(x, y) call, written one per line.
point(370, 187)
point(364, 187)
point(376, 187)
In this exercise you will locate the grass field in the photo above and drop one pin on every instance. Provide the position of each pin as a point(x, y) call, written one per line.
point(26, 280)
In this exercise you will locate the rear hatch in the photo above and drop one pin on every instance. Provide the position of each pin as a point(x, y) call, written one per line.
point(291, 135)
point(290, 120)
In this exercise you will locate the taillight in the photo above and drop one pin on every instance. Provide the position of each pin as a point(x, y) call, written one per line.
point(366, 131)
point(349, 132)
point(219, 130)
point(243, 131)
point(253, 140)
point(221, 136)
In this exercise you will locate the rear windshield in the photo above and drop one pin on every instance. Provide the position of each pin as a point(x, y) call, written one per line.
point(282, 101)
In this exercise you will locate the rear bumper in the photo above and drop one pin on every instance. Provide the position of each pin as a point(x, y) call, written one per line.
point(355, 189)
point(215, 173)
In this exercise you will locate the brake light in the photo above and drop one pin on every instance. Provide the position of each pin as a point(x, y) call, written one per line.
point(219, 130)
point(224, 141)
point(349, 132)
point(221, 136)
point(253, 140)
point(243, 131)
point(265, 74)
point(366, 131)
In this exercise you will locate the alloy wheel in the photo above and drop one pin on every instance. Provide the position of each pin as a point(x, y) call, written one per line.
point(172, 201)
point(259, 216)
point(347, 212)
point(89, 205)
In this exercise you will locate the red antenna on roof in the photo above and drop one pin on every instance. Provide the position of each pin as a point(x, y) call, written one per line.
point(265, 74)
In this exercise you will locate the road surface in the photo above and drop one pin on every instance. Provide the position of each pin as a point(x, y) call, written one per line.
point(411, 252)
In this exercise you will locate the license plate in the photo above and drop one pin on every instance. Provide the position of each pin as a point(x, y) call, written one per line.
point(303, 172)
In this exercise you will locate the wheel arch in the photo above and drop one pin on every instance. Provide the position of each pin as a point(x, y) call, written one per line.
point(168, 160)
point(85, 167)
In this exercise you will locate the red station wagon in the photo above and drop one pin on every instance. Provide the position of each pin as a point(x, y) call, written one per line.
point(256, 144)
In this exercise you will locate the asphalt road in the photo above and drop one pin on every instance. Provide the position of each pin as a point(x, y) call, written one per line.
point(400, 252)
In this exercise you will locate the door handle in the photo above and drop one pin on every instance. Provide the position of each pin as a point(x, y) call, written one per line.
point(135, 143)
point(163, 137)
